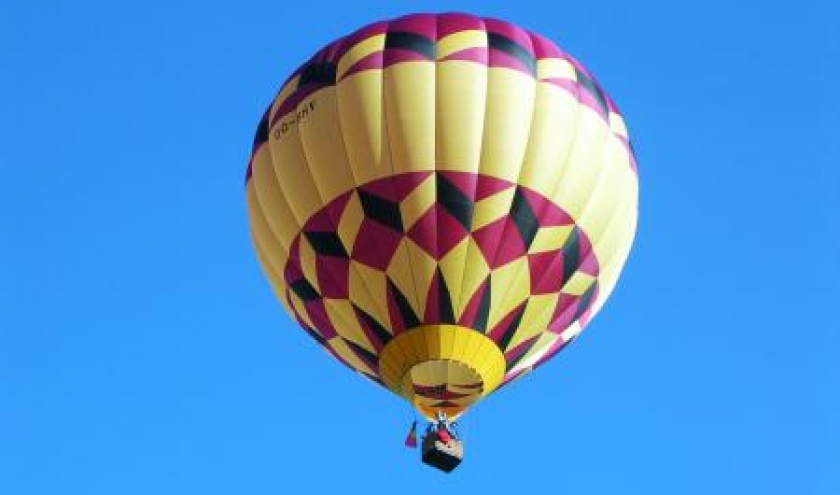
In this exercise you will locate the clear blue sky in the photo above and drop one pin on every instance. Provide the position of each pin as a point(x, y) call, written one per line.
point(142, 352)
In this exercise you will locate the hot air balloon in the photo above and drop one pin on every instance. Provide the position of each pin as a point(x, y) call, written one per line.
point(442, 202)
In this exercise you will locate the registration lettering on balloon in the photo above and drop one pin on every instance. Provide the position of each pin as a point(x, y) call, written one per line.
point(294, 119)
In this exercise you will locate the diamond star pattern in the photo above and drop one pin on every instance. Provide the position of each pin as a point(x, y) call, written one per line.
point(440, 247)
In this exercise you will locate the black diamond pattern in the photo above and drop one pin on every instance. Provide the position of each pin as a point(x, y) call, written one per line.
point(381, 210)
point(327, 244)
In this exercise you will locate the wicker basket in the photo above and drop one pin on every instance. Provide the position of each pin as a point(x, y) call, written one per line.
point(443, 455)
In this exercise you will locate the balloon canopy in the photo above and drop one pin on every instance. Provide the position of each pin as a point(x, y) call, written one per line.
point(442, 202)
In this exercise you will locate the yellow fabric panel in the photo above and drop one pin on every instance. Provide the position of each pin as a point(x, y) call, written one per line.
point(475, 271)
point(363, 128)
point(460, 40)
point(433, 347)
point(452, 269)
point(268, 197)
point(447, 342)
point(584, 164)
point(393, 363)
point(491, 368)
point(414, 346)
point(555, 68)
point(327, 161)
point(400, 355)
point(290, 163)
point(494, 369)
point(300, 309)
point(368, 290)
point(492, 208)
point(471, 352)
point(271, 254)
point(307, 263)
point(536, 318)
point(459, 345)
point(419, 342)
point(390, 369)
point(342, 349)
point(482, 361)
point(274, 251)
point(510, 102)
point(611, 267)
point(359, 51)
point(435, 372)
point(387, 371)
point(343, 318)
point(550, 139)
point(612, 196)
point(428, 375)
point(423, 269)
point(267, 265)
point(410, 115)
point(461, 100)
point(550, 238)
point(620, 230)
point(399, 271)
point(578, 283)
point(418, 202)
point(511, 286)
point(350, 221)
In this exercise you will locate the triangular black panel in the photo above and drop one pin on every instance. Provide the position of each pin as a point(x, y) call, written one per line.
point(447, 314)
point(483, 312)
point(381, 210)
point(413, 42)
point(326, 244)
point(593, 89)
point(462, 212)
point(512, 48)
point(513, 362)
point(504, 340)
point(455, 202)
point(571, 255)
point(304, 290)
point(379, 331)
point(261, 135)
point(524, 218)
point(365, 355)
point(317, 73)
point(586, 300)
point(406, 312)
point(372, 377)
point(315, 335)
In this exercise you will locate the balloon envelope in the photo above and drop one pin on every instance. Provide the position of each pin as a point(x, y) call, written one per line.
point(442, 202)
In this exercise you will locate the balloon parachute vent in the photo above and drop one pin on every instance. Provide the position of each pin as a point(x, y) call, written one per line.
point(442, 453)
